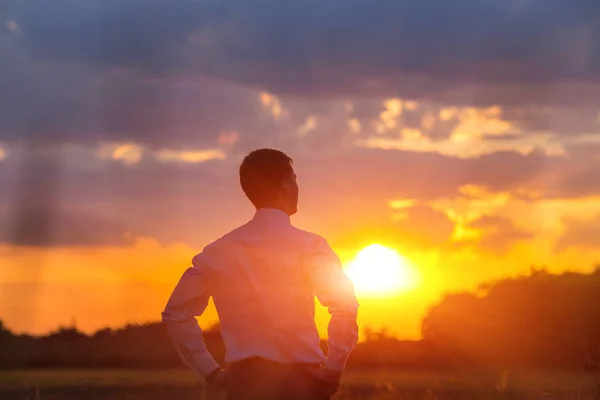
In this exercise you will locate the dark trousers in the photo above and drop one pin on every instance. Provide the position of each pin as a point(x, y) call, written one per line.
point(260, 379)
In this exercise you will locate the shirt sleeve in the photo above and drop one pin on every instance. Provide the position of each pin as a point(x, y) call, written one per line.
point(188, 300)
point(335, 291)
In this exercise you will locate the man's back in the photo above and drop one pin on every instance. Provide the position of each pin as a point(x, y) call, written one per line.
point(263, 278)
point(260, 283)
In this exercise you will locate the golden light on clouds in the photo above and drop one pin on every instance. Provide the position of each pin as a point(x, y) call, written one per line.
point(428, 121)
point(400, 206)
point(484, 198)
point(470, 136)
point(412, 134)
point(190, 156)
point(128, 153)
point(462, 230)
point(474, 202)
point(131, 153)
point(402, 203)
point(475, 122)
point(447, 113)
point(309, 125)
point(272, 104)
point(388, 117)
point(3, 153)
point(228, 138)
point(411, 105)
point(464, 145)
point(354, 125)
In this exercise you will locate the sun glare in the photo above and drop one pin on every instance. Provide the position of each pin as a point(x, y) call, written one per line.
point(380, 271)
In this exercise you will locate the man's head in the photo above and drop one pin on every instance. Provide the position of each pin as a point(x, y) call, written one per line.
point(268, 179)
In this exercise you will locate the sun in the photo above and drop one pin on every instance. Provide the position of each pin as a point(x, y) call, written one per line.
point(380, 271)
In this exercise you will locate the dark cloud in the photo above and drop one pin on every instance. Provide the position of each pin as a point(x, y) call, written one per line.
point(498, 233)
point(576, 181)
point(178, 73)
point(589, 151)
point(477, 52)
point(70, 104)
point(581, 234)
point(563, 121)
point(406, 174)
point(50, 227)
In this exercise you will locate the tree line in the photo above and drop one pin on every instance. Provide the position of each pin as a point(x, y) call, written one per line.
point(541, 320)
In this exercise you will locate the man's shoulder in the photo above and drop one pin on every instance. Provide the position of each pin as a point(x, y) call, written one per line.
point(227, 238)
point(215, 249)
point(310, 239)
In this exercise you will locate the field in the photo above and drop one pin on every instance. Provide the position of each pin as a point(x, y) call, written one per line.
point(365, 385)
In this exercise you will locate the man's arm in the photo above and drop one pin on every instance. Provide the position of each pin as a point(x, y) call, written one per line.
point(189, 299)
point(336, 292)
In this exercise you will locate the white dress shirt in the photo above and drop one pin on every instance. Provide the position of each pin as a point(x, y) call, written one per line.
point(263, 278)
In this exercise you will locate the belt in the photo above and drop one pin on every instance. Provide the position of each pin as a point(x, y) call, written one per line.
point(259, 361)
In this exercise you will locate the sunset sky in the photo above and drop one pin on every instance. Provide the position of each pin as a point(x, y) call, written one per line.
point(464, 135)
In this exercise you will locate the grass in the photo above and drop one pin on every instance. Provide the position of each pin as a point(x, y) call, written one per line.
point(367, 385)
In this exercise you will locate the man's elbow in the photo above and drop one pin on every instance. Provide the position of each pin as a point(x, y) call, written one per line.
point(345, 309)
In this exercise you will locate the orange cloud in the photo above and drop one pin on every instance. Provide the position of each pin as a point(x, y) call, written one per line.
point(389, 116)
point(475, 122)
point(190, 156)
point(309, 125)
point(228, 138)
point(128, 153)
point(272, 104)
point(463, 146)
point(354, 125)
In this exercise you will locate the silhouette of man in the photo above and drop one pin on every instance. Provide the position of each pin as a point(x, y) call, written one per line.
point(263, 277)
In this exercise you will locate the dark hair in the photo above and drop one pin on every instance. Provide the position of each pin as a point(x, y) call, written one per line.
point(261, 173)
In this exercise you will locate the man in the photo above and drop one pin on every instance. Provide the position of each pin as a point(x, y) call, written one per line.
point(263, 278)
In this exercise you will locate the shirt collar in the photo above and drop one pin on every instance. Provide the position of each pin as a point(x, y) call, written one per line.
point(272, 215)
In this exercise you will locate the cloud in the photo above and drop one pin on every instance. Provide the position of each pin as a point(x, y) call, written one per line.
point(424, 226)
point(190, 156)
point(193, 184)
point(68, 103)
point(394, 173)
point(497, 234)
point(580, 234)
point(566, 121)
point(127, 153)
point(175, 77)
point(576, 180)
point(131, 153)
point(511, 52)
point(54, 227)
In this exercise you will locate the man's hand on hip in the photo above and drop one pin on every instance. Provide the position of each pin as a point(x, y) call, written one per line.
point(329, 378)
point(217, 378)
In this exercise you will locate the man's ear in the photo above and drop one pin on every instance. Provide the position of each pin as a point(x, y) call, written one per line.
point(286, 185)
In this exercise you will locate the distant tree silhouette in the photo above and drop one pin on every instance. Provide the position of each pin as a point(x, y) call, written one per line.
point(540, 320)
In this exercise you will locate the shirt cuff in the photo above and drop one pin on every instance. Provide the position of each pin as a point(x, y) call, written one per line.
point(336, 362)
point(203, 364)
